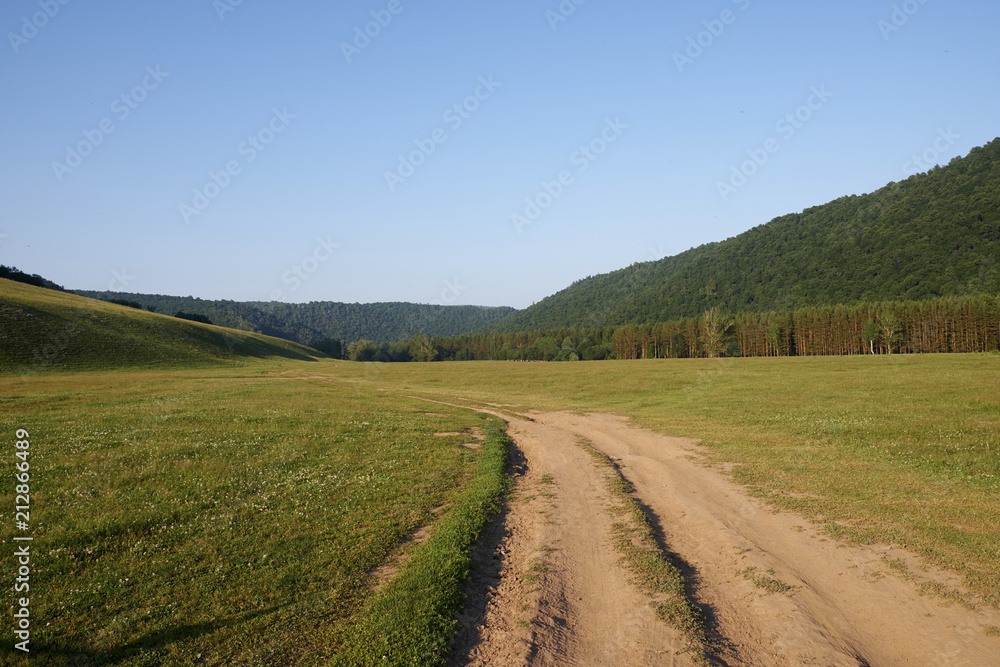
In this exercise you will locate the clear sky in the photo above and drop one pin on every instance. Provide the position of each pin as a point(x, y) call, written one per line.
point(252, 150)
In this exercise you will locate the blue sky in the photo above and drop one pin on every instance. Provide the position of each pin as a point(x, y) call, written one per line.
point(267, 150)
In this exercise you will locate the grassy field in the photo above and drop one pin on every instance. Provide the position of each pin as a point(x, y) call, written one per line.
point(896, 449)
point(234, 517)
point(235, 511)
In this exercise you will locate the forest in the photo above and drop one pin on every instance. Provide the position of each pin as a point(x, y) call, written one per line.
point(321, 320)
point(933, 235)
point(952, 324)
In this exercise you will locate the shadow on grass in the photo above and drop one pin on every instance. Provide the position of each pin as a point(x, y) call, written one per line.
point(68, 655)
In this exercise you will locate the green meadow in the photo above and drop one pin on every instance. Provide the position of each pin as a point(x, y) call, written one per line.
point(235, 517)
point(206, 496)
point(897, 449)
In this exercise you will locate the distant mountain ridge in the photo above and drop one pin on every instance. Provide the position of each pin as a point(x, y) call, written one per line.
point(934, 234)
point(319, 320)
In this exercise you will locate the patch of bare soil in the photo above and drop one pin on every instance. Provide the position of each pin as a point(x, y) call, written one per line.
point(550, 589)
point(475, 433)
point(384, 573)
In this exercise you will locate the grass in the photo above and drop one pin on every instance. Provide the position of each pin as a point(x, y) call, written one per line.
point(654, 573)
point(44, 332)
point(235, 518)
point(764, 582)
point(412, 621)
point(231, 507)
point(901, 450)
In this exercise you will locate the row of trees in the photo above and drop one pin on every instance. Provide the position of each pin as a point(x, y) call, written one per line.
point(15, 274)
point(468, 348)
point(957, 324)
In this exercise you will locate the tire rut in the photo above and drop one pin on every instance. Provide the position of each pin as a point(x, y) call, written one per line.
point(777, 591)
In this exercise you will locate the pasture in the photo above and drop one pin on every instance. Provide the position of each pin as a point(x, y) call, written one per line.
point(238, 514)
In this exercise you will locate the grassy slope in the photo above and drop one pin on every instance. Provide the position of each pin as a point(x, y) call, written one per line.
point(894, 449)
point(43, 331)
point(231, 516)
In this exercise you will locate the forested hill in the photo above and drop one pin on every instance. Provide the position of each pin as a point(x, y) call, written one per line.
point(308, 322)
point(934, 234)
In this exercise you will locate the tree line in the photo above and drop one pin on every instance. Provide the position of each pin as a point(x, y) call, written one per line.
point(947, 324)
point(15, 274)
point(321, 320)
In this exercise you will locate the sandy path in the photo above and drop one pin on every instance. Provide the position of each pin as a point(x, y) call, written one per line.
point(562, 597)
point(845, 607)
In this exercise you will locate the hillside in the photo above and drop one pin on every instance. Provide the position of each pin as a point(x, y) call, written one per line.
point(12, 273)
point(45, 330)
point(308, 322)
point(934, 234)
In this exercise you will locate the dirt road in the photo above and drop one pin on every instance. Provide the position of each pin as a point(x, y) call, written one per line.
point(775, 591)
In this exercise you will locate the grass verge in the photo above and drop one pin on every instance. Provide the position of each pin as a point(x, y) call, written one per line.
point(899, 450)
point(653, 571)
point(412, 620)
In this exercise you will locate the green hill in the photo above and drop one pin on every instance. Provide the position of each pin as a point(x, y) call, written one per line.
point(44, 330)
point(308, 322)
point(934, 234)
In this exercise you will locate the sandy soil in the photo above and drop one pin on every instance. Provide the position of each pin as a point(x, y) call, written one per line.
point(549, 588)
point(557, 595)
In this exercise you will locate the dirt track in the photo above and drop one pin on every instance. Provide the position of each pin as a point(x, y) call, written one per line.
point(556, 594)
